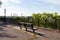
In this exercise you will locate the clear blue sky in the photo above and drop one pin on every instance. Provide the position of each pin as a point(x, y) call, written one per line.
point(27, 7)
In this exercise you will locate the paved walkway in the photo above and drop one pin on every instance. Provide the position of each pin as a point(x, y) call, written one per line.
point(7, 33)
point(12, 32)
point(44, 34)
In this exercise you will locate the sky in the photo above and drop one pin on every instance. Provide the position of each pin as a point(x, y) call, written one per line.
point(28, 7)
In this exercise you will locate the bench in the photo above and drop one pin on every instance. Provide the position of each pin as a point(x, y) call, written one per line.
point(21, 24)
point(27, 26)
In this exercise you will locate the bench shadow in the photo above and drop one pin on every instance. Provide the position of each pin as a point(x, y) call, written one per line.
point(40, 34)
point(2, 35)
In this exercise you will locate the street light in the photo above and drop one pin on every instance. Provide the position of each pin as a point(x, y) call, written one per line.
point(5, 16)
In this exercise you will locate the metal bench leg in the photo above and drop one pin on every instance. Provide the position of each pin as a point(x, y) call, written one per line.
point(26, 28)
point(33, 31)
point(20, 27)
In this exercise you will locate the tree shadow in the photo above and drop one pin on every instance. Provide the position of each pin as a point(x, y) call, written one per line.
point(7, 35)
point(2, 28)
point(3, 32)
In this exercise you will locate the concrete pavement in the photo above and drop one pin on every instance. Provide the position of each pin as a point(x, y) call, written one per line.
point(7, 33)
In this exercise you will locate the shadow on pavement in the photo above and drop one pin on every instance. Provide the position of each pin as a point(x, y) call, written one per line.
point(40, 34)
point(2, 28)
point(3, 32)
point(7, 35)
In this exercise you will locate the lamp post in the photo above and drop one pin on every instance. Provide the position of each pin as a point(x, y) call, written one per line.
point(5, 16)
point(5, 12)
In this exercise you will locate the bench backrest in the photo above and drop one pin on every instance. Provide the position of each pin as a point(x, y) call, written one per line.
point(29, 25)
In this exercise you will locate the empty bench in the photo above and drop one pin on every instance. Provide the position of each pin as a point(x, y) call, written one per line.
point(27, 26)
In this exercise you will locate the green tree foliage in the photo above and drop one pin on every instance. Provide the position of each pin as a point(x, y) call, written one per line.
point(0, 3)
point(45, 19)
point(58, 22)
point(36, 18)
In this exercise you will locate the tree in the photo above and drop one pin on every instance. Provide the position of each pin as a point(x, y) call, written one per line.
point(0, 3)
point(36, 18)
point(55, 20)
